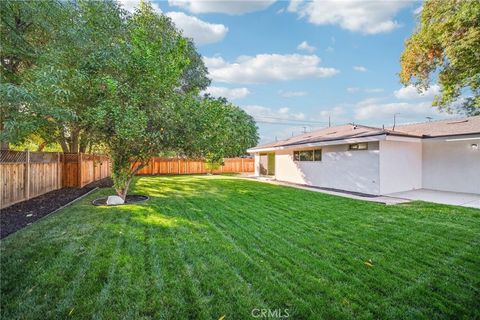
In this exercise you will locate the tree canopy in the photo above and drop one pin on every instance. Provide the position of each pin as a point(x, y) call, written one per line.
point(128, 82)
point(446, 46)
point(25, 28)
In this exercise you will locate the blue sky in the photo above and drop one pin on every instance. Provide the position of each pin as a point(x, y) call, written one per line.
point(293, 65)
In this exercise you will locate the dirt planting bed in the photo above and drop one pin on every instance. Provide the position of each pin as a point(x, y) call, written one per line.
point(25, 213)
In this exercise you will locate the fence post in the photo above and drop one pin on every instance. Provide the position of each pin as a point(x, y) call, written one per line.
point(79, 169)
point(27, 176)
point(178, 162)
point(59, 172)
point(94, 177)
point(242, 169)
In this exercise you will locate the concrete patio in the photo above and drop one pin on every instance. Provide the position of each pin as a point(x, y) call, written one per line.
point(443, 197)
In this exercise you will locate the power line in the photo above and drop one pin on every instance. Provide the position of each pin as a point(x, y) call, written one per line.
point(289, 120)
point(296, 124)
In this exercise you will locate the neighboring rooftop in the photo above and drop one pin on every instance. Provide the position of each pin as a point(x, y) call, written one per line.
point(350, 131)
point(442, 127)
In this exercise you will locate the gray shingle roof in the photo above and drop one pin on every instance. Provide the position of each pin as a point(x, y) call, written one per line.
point(350, 131)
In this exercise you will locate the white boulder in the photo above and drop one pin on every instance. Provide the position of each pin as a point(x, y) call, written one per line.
point(113, 200)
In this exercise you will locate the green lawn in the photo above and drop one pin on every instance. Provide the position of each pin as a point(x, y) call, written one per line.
point(204, 247)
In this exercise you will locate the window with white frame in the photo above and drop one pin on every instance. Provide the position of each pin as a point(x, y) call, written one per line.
point(358, 146)
point(308, 155)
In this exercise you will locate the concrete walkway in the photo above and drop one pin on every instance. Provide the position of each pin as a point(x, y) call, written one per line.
point(443, 197)
point(380, 199)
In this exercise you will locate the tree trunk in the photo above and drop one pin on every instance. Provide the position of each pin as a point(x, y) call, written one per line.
point(83, 145)
point(74, 142)
point(63, 142)
point(4, 145)
point(122, 192)
point(41, 146)
point(123, 175)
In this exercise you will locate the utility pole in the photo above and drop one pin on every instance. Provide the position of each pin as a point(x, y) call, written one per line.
point(394, 120)
point(329, 123)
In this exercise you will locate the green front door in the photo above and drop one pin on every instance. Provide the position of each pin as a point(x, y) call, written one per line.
point(271, 164)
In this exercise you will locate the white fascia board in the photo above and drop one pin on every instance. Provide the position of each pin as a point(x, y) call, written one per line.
point(320, 144)
point(466, 137)
point(403, 139)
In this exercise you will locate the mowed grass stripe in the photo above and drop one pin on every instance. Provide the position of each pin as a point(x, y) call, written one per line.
point(394, 283)
point(257, 266)
point(282, 266)
point(193, 247)
point(380, 288)
point(203, 247)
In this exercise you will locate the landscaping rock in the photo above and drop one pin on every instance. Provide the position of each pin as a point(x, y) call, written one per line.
point(114, 200)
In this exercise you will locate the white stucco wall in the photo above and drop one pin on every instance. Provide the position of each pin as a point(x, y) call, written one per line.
point(451, 166)
point(400, 166)
point(340, 169)
point(257, 164)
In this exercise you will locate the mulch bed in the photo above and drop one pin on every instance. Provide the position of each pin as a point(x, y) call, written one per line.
point(131, 198)
point(24, 213)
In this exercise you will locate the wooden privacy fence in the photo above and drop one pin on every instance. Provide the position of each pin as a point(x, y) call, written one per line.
point(81, 169)
point(25, 175)
point(191, 166)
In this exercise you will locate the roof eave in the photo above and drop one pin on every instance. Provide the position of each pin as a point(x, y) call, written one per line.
point(366, 138)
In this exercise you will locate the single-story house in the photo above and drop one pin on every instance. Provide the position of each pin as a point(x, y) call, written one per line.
point(438, 155)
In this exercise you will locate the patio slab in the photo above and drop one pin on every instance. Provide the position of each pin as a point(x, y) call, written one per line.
point(443, 197)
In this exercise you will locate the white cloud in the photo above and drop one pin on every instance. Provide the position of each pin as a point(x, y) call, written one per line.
point(202, 32)
point(267, 67)
point(418, 11)
point(232, 7)
point(367, 90)
point(360, 68)
point(232, 94)
point(368, 17)
point(306, 47)
point(411, 93)
point(373, 90)
point(266, 114)
point(329, 49)
point(291, 94)
point(374, 109)
point(130, 5)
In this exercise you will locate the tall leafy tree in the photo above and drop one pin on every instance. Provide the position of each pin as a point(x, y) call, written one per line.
point(25, 28)
point(148, 84)
point(79, 44)
point(227, 130)
point(129, 84)
point(67, 80)
point(446, 44)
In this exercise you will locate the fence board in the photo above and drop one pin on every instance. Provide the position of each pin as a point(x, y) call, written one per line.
point(24, 175)
point(165, 166)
